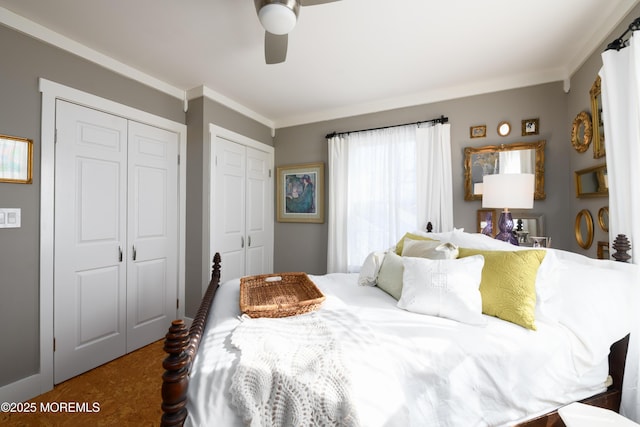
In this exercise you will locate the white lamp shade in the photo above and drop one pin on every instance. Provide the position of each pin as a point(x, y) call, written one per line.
point(277, 18)
point(508, 190)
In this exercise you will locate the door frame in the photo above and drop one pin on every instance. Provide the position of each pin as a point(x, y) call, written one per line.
point(208, 190)
point(52, 91)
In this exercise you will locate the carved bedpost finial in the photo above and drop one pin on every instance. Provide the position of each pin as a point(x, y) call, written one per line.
point(217, 259)
point(429, 227)
point(621, 245)
point(174, 379)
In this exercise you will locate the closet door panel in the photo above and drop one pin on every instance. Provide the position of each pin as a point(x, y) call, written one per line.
point(258, 205)
point(152, 274)
point(228, 211)
point(90, 232)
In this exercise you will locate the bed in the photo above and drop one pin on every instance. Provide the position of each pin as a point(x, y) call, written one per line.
point(384, 365)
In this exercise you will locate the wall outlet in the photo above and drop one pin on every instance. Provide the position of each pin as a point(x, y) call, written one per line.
point(10, 217)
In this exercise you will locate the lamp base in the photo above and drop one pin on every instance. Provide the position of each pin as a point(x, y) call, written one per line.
point(505, 225)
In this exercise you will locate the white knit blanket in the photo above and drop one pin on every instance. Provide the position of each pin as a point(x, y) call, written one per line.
point(290, 373)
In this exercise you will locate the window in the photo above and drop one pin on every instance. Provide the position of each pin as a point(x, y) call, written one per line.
point(374, 186)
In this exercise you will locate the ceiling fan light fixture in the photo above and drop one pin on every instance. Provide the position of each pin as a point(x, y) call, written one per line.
point(277, 18)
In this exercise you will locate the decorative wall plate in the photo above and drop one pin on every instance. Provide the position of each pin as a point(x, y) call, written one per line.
point(504, 128)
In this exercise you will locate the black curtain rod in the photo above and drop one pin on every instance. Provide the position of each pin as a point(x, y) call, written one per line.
point(620, 42)
point(441, 119)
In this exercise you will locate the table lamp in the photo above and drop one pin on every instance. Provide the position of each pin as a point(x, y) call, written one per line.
point(507, 191)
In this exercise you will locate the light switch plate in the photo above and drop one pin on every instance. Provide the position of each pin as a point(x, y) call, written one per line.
point(10, 217)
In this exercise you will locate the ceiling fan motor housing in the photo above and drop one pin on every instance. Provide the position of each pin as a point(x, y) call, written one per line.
point(278, 16)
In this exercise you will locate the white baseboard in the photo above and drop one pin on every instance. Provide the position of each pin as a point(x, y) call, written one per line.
point(21, 390)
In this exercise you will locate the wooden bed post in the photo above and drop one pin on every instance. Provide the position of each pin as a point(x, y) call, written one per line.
point(175, 379)
point(182, 345)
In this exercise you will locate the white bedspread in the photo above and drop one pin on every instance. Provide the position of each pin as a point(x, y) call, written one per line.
point(411, 369)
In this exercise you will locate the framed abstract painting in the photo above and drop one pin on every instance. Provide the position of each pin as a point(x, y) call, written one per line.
point(300, 193)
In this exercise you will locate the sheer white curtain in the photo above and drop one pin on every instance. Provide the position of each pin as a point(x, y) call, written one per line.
point(375, 190)
point(435, 181)
point(337, 205)
point(621, 115)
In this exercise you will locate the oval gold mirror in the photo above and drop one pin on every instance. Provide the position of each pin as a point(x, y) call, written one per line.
point(603, 218)
point(581, 132)
point(504, 128)
point(584, 229)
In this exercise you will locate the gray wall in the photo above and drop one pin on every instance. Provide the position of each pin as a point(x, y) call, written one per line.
point(579, 100)
point(24, 60)
point(304, 246)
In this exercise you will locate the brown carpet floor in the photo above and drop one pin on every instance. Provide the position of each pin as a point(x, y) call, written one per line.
point(127, 391)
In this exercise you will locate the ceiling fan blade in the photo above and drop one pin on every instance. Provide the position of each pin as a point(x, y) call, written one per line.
point(314, 2)
point(275, 47)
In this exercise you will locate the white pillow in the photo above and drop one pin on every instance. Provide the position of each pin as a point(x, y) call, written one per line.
point(446, 288)
point(370, 269)
point(429, 249)
point(390, 275)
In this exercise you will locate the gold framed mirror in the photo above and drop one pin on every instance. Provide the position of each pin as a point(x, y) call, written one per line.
point(519, 157)
point(584, 229)
point(532, 223)
point(16, 159)
point(487, 217)
point(581, 132)
point(592, 182)
point(603, 218)
point(596, 117)
point(603, 250)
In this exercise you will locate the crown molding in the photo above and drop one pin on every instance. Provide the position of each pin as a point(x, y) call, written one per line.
point(211, 94)
point(429, 97)
point(53, 38)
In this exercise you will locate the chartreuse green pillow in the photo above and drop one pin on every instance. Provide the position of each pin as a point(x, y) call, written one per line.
point(400, 244)
point(508, 284)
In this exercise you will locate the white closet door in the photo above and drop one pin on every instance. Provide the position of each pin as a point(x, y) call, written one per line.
point(90, 231)
point(152, 261)
point(228, 206)
point(259, 219)
point(241, 208)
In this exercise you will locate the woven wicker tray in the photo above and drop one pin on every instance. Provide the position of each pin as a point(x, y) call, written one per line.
point(279, 295)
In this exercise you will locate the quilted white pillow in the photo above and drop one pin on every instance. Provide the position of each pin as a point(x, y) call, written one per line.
point(370, 269)
point(445, 288)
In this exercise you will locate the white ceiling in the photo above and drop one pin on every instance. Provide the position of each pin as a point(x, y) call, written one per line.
point(345, 58)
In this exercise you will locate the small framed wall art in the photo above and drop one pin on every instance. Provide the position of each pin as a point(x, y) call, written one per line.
point(478, 131)
point(300, 193)
point(16, 159)
point(530, 127)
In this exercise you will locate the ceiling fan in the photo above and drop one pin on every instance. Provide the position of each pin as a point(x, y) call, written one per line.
point(278, 17)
